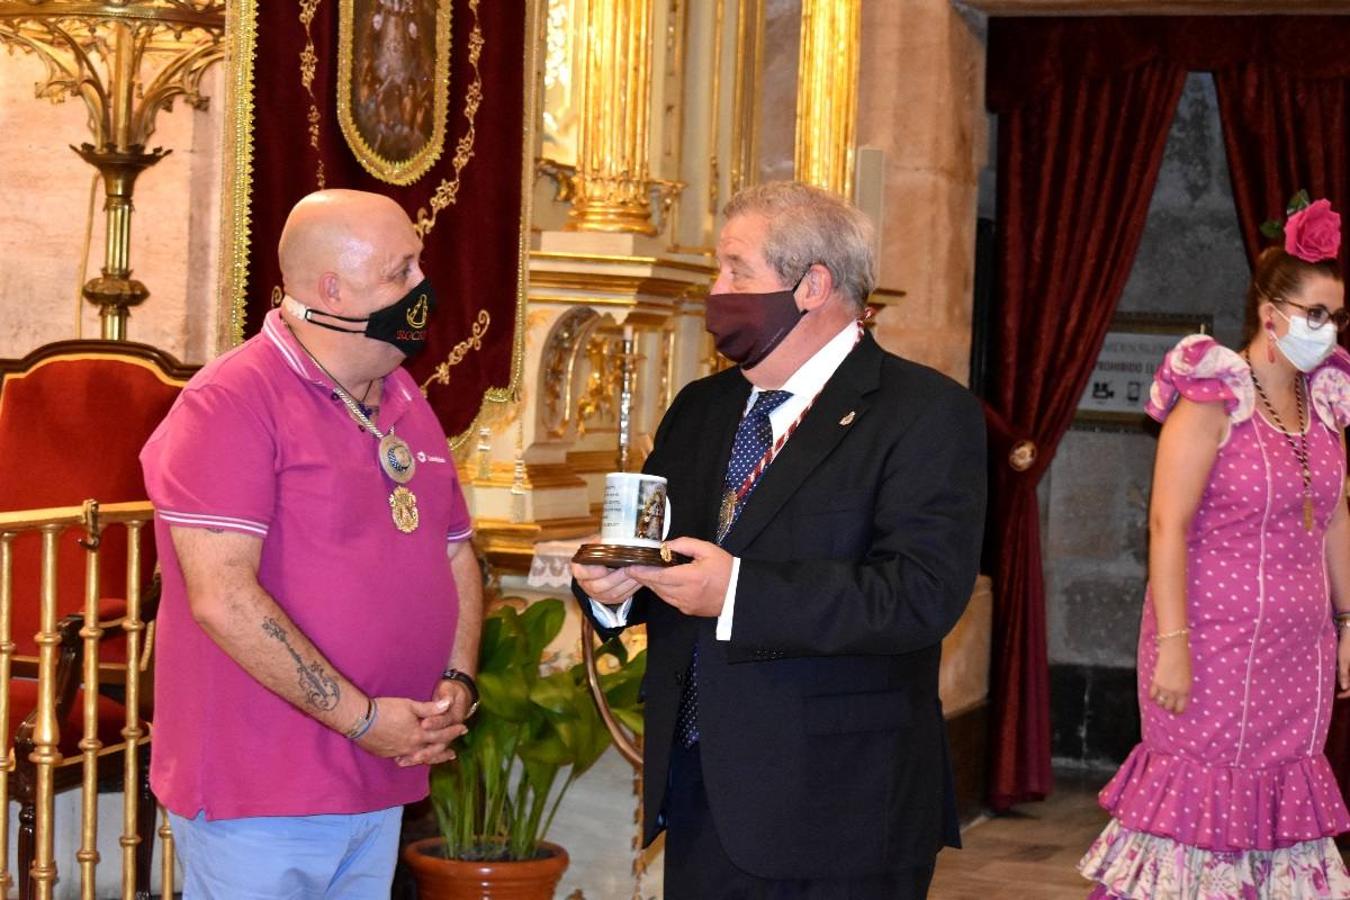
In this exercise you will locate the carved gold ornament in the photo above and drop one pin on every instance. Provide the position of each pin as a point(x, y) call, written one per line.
point(562, 349)
point(603, 380)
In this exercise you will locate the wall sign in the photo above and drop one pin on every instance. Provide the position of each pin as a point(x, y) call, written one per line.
point(1134, 348)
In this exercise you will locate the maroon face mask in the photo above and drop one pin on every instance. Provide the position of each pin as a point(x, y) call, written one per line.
point(747, 327)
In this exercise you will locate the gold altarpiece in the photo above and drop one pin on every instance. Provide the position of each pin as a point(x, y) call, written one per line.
point(649, 119)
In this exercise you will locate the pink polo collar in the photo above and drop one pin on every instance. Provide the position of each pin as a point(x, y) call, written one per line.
point(398, 384)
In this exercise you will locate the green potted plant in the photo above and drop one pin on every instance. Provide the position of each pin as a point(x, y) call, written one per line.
point(536, 732)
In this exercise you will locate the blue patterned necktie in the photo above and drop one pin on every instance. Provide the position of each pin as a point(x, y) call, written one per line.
point(754, 436)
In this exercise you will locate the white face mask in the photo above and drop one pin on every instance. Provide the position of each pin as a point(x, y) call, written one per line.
point(1304, 346)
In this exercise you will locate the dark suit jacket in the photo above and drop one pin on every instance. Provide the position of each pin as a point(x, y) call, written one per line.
point(822, 738)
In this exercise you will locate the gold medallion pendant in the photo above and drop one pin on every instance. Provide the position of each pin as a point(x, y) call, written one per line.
point(396, 458)
point(403, 506)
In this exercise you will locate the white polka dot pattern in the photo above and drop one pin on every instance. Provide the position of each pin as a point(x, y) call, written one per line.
point(753, 436)
point(1243, 769)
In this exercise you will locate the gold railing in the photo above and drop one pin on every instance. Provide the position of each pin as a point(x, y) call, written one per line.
point(52, 639)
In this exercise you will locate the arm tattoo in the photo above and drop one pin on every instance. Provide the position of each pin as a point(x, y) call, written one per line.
point(321, 689)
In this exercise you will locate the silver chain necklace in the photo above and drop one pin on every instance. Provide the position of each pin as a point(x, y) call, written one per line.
point(391, 452)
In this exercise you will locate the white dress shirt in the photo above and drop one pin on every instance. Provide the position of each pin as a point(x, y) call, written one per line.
point(804, 384)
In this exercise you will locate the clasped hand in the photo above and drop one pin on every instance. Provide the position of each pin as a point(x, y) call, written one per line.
point(697, 588)
point(417, 733)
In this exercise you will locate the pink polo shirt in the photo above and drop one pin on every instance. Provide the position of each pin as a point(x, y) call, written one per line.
point(259, 444)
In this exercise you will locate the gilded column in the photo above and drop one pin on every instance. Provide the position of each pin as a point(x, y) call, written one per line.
point(615, 66)
point(827, 93)
point(746, 93)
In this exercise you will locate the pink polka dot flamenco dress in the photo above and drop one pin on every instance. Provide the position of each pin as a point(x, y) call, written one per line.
point(1234, 798)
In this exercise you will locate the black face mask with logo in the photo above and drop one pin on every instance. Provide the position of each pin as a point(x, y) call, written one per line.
point(403, 324)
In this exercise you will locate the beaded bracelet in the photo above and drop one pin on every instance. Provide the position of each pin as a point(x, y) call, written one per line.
point(363, 724)
point(1180, 632)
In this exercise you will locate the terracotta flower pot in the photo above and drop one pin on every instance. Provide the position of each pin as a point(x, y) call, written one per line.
point(457, 879)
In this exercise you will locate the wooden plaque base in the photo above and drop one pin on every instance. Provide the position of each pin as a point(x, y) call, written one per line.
point(617, 556)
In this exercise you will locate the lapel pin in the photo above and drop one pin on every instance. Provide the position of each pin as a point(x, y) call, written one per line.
point(848, 419)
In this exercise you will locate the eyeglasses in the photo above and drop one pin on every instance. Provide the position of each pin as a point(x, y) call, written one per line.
point(1319, 315)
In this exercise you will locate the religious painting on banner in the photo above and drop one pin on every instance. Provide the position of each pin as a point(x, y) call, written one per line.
point(394, 62)
point(426, 101)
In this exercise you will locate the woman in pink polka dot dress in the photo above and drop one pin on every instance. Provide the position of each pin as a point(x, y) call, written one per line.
point(1229, 794)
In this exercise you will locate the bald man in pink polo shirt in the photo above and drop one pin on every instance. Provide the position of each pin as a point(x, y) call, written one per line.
point(322, 604)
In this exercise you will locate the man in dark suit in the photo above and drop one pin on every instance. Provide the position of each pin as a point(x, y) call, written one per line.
point(831, 497)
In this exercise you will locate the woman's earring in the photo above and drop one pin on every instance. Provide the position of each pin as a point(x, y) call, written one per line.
point(1270, 341)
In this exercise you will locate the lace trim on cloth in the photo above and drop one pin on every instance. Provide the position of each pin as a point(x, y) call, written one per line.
point(1132, 865)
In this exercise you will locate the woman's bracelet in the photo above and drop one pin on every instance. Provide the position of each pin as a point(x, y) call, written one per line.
point(1341, 615)
point(363, 724)
point(1180, 632)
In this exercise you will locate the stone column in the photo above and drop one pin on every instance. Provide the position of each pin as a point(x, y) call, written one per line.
point(921, 102)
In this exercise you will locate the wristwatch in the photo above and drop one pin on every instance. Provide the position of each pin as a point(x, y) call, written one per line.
point(465, 679)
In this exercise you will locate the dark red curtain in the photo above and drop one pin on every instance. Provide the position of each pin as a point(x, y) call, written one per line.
point(472, 253)
point(1284, 131)
point(1030, 55)
point(1076, 167)
point(1084, 106)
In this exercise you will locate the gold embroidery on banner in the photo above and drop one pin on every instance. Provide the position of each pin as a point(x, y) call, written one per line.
point(509, 402)
point(309, 63)
point(447, 192)
point(393, 102)
point(497, 402)
point(241, 32)
point(474, 341)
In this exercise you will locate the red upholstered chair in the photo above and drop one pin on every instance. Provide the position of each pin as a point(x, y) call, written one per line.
point(73, 418)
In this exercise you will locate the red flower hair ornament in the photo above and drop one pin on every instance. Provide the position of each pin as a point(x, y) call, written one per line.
point(1311, 231)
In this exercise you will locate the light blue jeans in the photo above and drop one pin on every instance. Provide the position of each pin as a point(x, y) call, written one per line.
point(332, 857)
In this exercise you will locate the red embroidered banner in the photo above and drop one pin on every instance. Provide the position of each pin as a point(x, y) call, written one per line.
point(424, 102)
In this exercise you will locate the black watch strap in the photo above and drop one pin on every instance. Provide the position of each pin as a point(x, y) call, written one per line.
point(465, 679)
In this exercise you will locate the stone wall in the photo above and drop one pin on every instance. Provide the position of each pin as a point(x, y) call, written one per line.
point(921, 101)
point(1095, 496)
point(46, 209)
